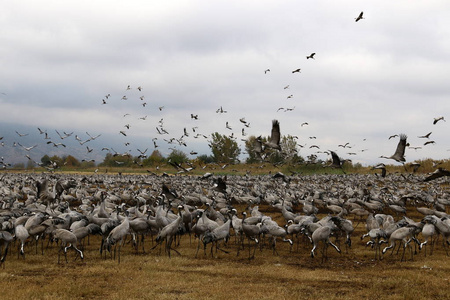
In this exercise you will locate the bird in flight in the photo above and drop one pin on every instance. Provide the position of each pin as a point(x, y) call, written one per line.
point(296, 71)
point(265, 72)
point(360, 17)
point(220, 110)
point(437, 120)
point(399, 154)
point(426, 136)
point(27, 148)
point(311, 56)
point(393, 136)
point(441, 172)
point(274, 141)
point(21, 134)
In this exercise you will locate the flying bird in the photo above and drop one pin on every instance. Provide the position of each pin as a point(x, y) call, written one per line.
point(429, 142)
point(437, 120)
point(311, 56)
point(426, 136)
point(274, 141)
point(220, 110)
point(382, 167)
point(27, 148)
point(336, 162)
point(296, 71)
point(399, 154)
point(265, 72)
point(440, 172)
point(21, 134)
point(360, 17)
point(393, 136)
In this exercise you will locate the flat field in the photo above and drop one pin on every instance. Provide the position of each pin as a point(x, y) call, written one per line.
point(353, 274)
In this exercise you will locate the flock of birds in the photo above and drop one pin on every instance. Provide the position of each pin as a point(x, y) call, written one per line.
point(312, 210)
point(182, 139)
point(315, 210)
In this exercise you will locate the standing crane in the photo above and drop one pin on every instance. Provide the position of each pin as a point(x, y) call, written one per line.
point(117, 235)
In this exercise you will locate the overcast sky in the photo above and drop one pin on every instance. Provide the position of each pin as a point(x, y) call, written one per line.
point(383, 75)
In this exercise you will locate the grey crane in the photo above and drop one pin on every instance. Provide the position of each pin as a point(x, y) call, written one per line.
point(68, 240)
point(170, 231)
point(375, 235)
point(438, 119)
point(346, 226)
point(428, 231)
point(381, 167)
point(440, 172)
point(21, 234)
point(220, 233)
point(252, 232)
point(426, 136)
point(405, 235)
point(271, 228)
point(117, 235)
point(322, 234)
point(360, 17)
point(5, 240)
point(336, 161)
point(399, 154)
point(275, 136)
point(442, 227)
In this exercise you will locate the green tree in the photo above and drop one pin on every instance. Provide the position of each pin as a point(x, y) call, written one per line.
point(206, 159)
point(45, 160)
point(57, 160)
point(224, 148)
point(250, 149)
point(71, 161)
point(154, 159)
point(117, 160)
point(177, 156)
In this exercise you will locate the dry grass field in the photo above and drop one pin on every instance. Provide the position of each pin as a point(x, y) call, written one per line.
point(353, 274)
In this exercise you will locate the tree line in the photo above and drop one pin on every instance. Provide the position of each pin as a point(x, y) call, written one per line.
point(224, 149)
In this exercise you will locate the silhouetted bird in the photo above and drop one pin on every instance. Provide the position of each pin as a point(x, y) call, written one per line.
point(440, 172)
point(360, 17)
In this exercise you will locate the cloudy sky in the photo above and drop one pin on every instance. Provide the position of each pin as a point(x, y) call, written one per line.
point(384, 75)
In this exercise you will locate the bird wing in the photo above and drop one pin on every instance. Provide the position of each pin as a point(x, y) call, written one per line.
point(335, 158)
point(275, 136)
point(257, 145)
point(437, 174)
point(400, 151)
